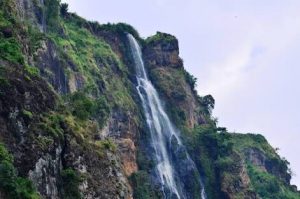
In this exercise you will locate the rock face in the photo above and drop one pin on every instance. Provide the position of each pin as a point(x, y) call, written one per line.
point(161, 55)
point(72, 121)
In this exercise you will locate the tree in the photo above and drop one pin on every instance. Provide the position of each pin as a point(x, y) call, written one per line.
point(64, 7)
point(209, 102)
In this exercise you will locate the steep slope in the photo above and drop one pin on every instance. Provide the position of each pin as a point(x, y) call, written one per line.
point(72, 124)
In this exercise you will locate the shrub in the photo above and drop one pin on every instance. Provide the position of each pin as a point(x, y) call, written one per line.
point(64, 9)
point(70, 182)
point(15, 187)
point(143, 189)
point(107, 144)
point(52, 14)
point(85, 107)
point(120, 28)
point(10, 50)
point(82, 106)
point(32, 71)
point(208, 103)
point(27, 114)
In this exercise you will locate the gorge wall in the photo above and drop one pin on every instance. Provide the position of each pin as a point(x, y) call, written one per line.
point(72, 123)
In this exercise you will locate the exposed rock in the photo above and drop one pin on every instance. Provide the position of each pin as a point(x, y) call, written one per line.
point(166, 71)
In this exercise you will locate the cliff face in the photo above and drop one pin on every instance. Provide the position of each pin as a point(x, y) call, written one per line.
point(72, 125)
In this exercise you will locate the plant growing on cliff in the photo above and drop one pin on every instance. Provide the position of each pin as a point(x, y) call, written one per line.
point(70, 181)
point(191, 80)
point(10, 183)
point(64, 9)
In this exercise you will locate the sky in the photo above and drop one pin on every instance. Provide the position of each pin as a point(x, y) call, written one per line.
point(246, 53)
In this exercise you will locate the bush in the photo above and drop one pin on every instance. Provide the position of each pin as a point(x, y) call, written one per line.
point(52, 14)
point(120, 28)
point(70, 182)
point(32, 71)
point(85, 107)
point(27, 114)
point(159, 36)
point(208, 102)
point(64, 9)
point(15, 187)
point(143, 189)
point(107, 144)
point(10, 50)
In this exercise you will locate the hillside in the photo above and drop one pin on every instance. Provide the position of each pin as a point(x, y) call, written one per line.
point(72, 123)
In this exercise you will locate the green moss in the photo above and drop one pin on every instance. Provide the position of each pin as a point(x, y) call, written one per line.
point(11, 184)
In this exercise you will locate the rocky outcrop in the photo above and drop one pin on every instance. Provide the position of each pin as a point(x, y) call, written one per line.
point(71, 118)
point(165, 67)
point(271, 165)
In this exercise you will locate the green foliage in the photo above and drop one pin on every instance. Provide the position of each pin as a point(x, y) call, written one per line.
point(120, 28)
point(32, 71)
point(64, 9)
point(4, 82)
point(91, 57)
point(82, 106)
point(191, 80)
point(70, 184)
point(52, 10)
point(143, 189)
point(35, 38)
point(27, 114)
point(10, 50)
point(107, 144)
point(52, 125)
point(207, 104)
point(268, 186)
point(159, 36)
point(85, 107)
point(15, 187)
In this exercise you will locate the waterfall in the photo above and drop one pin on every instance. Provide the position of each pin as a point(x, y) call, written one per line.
point(165, 140)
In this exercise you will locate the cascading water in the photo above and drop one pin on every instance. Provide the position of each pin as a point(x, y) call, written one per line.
point(165, 140)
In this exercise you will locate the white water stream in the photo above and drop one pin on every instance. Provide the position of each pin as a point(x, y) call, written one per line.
point(160, 126)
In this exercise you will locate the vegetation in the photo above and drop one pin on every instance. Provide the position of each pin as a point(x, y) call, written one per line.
point(10, 48)
point(52, 124)
point(71, 180)
point(119, 28)
point(107, 144)
point(143, 188)
point(269, 186)
point(52, 11)
point(207, 104)
point(104, 86)
point(191, 80)
point(10, 183)
point(162, 37)
point(32, 71)
point(64, 9)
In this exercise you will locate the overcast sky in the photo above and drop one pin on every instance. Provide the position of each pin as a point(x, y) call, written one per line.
point(246, 53)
